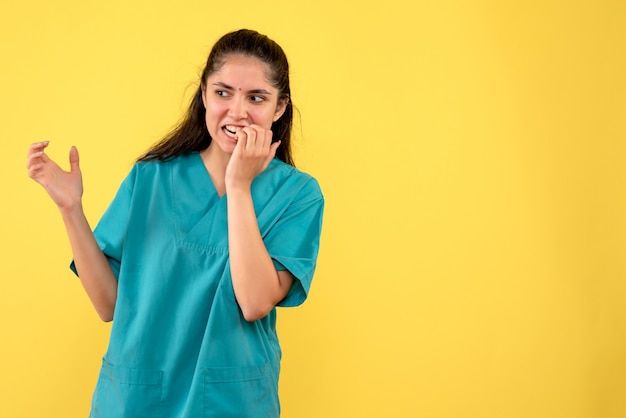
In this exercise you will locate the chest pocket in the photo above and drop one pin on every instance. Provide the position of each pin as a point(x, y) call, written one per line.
point(241, 392)
point(124, 392)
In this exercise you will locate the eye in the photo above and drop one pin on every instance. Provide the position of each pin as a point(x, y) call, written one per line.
point(222, 93)
point(257, 99)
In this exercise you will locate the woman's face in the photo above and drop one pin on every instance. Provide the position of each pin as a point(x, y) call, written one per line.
point(239, 95)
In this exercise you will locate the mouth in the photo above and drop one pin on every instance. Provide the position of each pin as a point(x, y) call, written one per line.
point(231, 131)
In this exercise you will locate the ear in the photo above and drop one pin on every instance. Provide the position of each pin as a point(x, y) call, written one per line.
point(203, 92)
point(280, 108)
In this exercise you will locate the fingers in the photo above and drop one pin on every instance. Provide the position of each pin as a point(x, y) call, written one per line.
point(37, 160)
point(33, 170)
point(255, 140)
point(252, 154)
point(38, 146)
point(37, 155)
point(35, 152)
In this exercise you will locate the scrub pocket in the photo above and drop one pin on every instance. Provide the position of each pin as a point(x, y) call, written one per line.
point(123, 392)
point(241, 392)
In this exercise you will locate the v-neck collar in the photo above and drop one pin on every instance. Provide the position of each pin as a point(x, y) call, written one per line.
point(211, 179)
point(198, 207)
point(200, 169)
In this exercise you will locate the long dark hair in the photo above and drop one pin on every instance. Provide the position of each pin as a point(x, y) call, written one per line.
point(191, 134)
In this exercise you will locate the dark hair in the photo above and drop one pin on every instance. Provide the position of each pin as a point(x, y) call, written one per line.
point(191, 134)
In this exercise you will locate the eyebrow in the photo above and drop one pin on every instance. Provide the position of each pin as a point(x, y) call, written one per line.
point(254, 91)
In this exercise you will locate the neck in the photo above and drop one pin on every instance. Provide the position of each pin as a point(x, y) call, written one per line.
point(216, 162)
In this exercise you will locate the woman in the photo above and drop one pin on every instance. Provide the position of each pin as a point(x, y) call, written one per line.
point(212, 228)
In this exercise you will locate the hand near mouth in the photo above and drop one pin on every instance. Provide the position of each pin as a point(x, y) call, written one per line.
point(252, 154)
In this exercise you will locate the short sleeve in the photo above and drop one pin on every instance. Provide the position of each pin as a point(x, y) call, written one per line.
point(111, 229)
point(293, 243)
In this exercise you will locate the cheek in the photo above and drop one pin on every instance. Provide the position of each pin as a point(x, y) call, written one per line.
point(212, 120)
point(264, 119)
point(212, 112)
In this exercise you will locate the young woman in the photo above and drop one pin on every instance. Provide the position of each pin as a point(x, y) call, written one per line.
point(210, 231)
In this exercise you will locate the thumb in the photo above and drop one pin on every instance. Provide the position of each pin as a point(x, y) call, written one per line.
point(272, 152)
point(74, 160)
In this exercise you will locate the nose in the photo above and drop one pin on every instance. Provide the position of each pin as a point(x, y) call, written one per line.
point(238, 108)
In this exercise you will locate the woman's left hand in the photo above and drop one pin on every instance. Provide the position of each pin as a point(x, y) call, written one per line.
point(253, 153)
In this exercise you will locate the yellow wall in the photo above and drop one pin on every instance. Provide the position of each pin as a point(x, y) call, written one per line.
point(473, 159)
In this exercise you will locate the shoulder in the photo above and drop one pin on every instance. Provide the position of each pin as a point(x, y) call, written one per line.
point(152, 172)
point(157, 164)
point(153, 167)
point(304, 184)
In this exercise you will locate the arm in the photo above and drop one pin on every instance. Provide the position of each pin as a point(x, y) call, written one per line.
point(91, 264)
point(257, 284)
point(66, 189)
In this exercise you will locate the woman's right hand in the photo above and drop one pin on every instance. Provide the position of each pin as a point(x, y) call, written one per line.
point(66, 190)
point(64, 187)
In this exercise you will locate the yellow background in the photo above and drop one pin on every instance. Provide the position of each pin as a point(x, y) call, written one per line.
point(473, 161)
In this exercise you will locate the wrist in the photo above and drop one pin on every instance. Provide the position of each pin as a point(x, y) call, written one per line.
point(72, 210)
point(239, 188)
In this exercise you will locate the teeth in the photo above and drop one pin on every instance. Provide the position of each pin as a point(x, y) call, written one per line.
point(232, 129)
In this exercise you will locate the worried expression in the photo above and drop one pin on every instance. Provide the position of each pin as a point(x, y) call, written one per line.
point(238, 95)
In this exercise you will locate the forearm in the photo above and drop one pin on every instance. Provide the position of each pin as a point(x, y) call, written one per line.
point(91, 264)
point(258, 286)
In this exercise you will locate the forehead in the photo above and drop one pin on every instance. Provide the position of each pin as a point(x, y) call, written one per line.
point(244, 69)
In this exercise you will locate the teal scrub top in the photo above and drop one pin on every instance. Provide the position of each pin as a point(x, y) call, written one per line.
point(179, 345)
